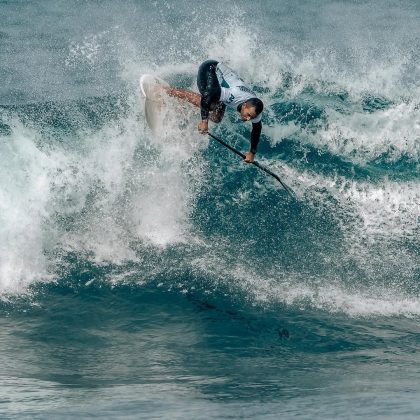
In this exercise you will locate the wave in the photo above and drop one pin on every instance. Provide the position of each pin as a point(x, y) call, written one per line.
point(85, 177)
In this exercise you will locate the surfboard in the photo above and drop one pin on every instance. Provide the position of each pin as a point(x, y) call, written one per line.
point(151, 90)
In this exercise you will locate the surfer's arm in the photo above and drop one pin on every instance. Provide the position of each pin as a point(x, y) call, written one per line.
point(255, 136)
point(208, 97)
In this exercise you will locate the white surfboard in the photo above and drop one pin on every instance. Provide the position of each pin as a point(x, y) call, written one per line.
point(151, 90)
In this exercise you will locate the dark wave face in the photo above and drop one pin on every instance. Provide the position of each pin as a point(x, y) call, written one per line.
point(157, 275)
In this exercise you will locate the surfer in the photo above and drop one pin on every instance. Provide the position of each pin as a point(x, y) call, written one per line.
point(220, 86)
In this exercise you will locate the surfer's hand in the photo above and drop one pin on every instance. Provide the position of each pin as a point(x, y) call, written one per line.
point(249, 157)
point(203, 127)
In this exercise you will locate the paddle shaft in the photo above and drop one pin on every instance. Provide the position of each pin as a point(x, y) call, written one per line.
point(258, 165)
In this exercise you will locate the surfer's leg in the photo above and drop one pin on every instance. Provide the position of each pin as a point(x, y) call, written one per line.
point(186, 95)
point(217, 109)
point(206, 77)
point(209, 86)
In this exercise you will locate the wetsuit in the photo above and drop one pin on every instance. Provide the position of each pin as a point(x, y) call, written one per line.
point(220, 86)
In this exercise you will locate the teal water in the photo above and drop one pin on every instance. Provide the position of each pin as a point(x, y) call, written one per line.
point(157, 276)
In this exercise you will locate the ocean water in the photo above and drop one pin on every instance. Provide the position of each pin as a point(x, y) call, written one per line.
point(158, 276)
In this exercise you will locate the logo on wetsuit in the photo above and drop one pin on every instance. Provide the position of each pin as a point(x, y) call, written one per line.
point(231, 98)
point(246, 89)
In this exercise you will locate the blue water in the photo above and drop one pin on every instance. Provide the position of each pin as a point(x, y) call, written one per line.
point(156, 275)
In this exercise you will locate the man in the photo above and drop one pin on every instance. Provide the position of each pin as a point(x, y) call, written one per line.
point(220, 86)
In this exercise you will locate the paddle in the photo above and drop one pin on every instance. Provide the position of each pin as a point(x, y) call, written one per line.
point(258, 165)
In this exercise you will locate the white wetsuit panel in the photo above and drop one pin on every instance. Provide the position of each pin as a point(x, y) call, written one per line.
point(234, 90)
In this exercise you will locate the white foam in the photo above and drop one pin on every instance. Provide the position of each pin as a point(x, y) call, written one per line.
point(309, 57)
point(108, 193)
point(304, 292)
point(384, 209)
point(333, 297)
point(393, 133)
point(121, 195)
point(26, 185)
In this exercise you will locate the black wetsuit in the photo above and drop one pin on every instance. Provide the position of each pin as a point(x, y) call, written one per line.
point(215, 97)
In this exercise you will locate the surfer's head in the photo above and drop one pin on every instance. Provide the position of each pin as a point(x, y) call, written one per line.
point(251, 109)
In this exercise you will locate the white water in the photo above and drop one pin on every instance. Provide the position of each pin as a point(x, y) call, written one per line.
point(119, 186)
